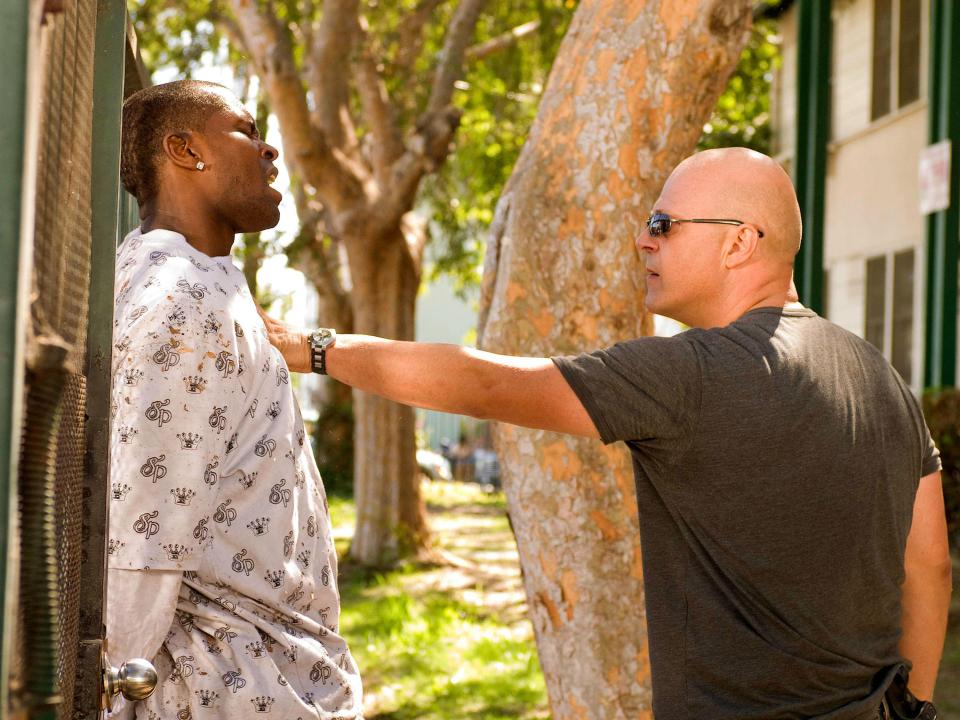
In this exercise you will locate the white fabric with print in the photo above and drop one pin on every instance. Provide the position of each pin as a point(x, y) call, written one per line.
point(211, 475)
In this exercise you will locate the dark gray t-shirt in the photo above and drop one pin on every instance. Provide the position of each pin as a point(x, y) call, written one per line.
point(776, 461)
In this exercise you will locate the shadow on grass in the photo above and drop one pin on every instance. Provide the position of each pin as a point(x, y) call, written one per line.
point(430, 655)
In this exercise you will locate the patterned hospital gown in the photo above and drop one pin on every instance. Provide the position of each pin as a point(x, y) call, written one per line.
point(211, 475)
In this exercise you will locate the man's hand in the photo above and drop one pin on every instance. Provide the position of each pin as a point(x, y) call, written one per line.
point(293, 344)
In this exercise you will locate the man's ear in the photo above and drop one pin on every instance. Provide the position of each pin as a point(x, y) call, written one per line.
point(180, 149)
point(742, 247)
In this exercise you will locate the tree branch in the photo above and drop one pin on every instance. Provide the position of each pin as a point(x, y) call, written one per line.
point(501, 42)
point(380, 116)
point(267, 40)
point(429, 144)
point(426, 150)
point(451, 57)
point(331, 42)
point(410, 34)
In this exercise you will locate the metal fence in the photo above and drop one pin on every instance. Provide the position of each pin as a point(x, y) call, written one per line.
point(76, 66)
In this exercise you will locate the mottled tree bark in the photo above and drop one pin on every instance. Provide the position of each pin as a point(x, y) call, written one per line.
point(627, 98)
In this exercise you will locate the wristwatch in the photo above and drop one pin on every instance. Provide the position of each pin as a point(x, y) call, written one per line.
point(320, 340)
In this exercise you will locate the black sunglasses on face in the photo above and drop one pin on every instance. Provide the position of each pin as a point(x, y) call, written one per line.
point(658, 225)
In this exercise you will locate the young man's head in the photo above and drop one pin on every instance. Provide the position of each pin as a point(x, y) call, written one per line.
point(191, 145)
point(698, 273)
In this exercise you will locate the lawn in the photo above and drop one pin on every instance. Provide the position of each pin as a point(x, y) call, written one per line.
point(448, 640)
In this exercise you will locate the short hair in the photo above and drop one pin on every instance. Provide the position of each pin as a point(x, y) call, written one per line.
point(149, 116)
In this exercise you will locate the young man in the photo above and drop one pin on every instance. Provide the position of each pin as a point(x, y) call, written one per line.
point(791, 513)
point(222, 568)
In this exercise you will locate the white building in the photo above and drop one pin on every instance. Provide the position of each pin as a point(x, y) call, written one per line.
point(876, 243)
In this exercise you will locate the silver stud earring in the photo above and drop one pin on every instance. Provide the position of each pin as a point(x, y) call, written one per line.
point(200, 165)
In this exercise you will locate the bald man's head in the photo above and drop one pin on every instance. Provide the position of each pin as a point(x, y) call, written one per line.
point(746, 185)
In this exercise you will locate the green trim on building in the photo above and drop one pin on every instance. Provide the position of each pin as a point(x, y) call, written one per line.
point(943, 228)
point(14, 53)
point(814, 36)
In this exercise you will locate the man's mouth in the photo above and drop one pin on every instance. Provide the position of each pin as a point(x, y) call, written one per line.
point(272, 176)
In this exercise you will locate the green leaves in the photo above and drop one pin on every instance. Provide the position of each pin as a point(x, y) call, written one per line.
point(742, 115)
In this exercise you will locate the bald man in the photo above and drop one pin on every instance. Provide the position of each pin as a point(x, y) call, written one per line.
point(794, 542)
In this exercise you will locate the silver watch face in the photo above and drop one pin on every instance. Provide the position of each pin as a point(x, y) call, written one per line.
point(322, 338)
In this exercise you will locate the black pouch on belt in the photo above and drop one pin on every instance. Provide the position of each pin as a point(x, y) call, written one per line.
point(900, 704)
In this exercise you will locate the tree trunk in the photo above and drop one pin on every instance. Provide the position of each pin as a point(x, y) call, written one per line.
point(391, 518)
point(628, 95)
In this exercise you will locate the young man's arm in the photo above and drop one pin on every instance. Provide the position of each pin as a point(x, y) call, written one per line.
point(522, 391)
point(926, 587)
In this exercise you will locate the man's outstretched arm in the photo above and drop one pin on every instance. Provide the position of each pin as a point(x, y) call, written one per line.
point(926, 587)
point(522, 391)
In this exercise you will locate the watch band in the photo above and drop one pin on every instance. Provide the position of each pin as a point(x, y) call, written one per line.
point(318, 360)
point(320, 340)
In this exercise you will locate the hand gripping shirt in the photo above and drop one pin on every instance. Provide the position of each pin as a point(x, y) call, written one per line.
point(210, 476)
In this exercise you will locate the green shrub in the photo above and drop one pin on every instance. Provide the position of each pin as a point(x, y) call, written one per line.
point(941, 407)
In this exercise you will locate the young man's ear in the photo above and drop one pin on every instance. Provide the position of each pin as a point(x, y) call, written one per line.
point(179, 147)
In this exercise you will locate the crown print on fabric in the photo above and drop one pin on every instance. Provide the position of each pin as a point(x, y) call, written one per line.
point(211, 325)
point(195, 384)
point(246, 480)
point(256, 649)
point(127, 434)
point(189, 440)
point(119, 491)
point(131, 376)
point(207, 698)
point(275, 577)
point(262, 704)
point(259, 526)
point(182, 496)
point(114, 546)
point(303, 557)
point(177, 316)
point(176, 551)
point(274, 410)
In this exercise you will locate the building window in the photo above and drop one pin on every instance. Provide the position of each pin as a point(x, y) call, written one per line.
point(889, 309)
point(876, 300)
point(901, 353)
point(896, 55)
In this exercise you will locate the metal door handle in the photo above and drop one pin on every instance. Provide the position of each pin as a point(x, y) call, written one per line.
point(136, 680)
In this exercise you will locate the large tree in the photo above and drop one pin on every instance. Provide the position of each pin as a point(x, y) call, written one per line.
point(627, 99)
point(369, 96)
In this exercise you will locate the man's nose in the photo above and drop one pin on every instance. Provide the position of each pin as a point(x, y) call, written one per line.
point(269, 152)
point(645, 242)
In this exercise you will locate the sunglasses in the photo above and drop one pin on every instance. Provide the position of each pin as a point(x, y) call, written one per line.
point(659, 224)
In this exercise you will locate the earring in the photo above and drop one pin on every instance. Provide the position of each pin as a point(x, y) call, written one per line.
point(200, 165)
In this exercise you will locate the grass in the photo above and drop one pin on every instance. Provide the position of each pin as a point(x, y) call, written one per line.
point(445, 640)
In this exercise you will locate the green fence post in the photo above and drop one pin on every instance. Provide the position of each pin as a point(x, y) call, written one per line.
point(943, 227)
point(108, 73)
point(810, 159)
point(16, 224)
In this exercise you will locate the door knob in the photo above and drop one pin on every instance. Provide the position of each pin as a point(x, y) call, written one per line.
point(136, 680)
